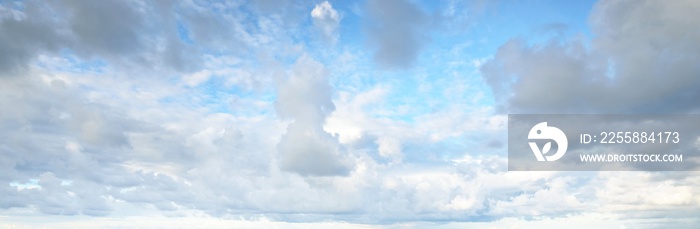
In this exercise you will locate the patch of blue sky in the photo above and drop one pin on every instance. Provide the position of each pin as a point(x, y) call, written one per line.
point(535, 21)
point(34, 184)
point(219, 98)
point(434, 153)
point(69, 62)
point(350, 23)
point(31, 184)
point(414, 93)
point(454, 147)
point(352, 69)
point(184, 33)
point(431, 87)
point(458, 54)
point(18, 5)
point(408, 97)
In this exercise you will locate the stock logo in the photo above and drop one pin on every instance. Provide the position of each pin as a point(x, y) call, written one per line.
point(543, 132)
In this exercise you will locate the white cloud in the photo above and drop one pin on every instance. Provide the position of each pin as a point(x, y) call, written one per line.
point(326, 20)
point(305, 97)
point(390, 147)
point(197, 78)
point(350, 121)
point(556, 197)
point(641, 191)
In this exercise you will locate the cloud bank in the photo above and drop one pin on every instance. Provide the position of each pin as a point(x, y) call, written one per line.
point(642, 60)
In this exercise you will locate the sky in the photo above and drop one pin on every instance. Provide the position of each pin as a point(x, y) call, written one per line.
point(330, 114)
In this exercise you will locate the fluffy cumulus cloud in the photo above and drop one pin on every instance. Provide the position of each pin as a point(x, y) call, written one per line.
point(230, 114)
point(305, 97)
point(326, 20)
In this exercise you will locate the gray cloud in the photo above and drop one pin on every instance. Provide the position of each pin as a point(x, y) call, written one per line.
point(305, 96)
point(544, 78)
point(643, 59)
point(155, 36)
point(112, 31)
point(399, 30)
point(211, 30)
point(24, 35)
point(105, 27)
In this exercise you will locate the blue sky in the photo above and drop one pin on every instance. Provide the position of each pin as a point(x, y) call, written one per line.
point(317, 114)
